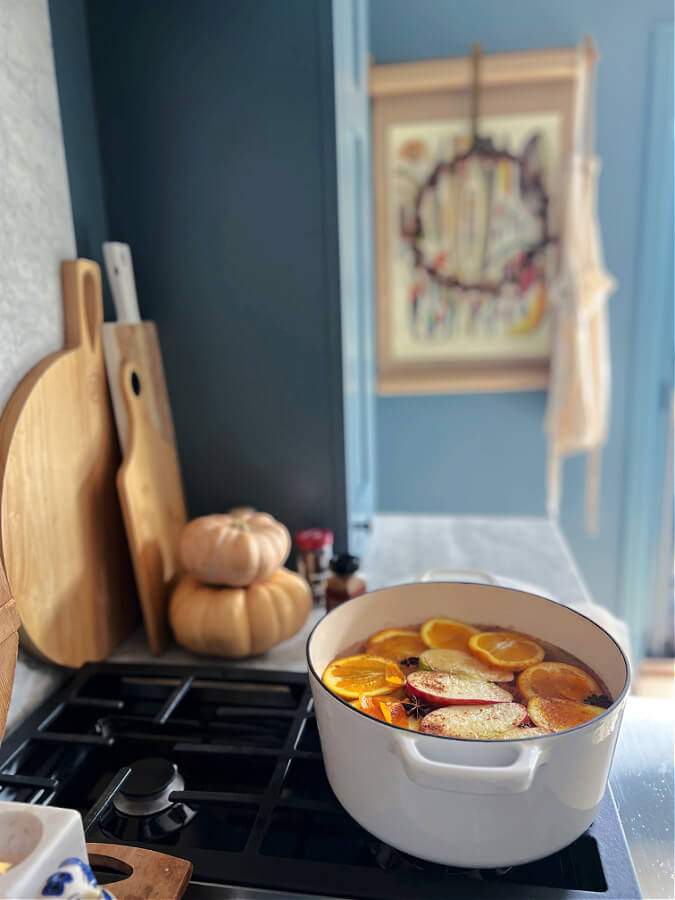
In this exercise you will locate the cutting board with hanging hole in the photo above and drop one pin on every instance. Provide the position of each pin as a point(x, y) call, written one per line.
point(149, 481)
point(149, 875)
point(151, 495)
point(61, 531)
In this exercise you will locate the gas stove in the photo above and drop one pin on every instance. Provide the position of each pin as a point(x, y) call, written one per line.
point(222, 766)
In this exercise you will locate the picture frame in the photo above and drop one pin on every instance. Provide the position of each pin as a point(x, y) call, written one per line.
point(448, 328)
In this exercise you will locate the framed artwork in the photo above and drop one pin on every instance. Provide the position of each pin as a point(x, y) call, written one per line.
point(466, 243)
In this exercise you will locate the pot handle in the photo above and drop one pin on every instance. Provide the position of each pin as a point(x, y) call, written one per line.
point(513, 778)
point(485, 576)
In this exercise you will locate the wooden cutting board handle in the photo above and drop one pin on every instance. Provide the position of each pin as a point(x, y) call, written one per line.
point(151, 495)
point(82, 306)
point(152, 875)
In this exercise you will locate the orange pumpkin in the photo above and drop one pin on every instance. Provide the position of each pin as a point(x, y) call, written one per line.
point(236, 622)
point(236, 550)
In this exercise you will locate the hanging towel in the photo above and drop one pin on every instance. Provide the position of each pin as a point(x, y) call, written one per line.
point(577, 415)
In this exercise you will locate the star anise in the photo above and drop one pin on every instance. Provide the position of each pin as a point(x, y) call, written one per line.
point(413, 707)
point(599, 700)
point(410, 661)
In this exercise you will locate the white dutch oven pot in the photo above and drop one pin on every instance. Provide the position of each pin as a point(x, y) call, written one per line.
point(456, 801)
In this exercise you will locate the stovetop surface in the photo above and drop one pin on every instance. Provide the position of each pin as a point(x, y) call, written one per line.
point(240, 790)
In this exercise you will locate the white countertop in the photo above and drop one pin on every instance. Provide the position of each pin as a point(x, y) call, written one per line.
point(519, 552)
point(527, 552)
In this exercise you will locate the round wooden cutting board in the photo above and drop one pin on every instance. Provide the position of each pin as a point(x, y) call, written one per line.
point(61, 531)
point(9, 644)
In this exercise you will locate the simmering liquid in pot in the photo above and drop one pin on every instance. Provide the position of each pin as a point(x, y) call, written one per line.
point(462, 680)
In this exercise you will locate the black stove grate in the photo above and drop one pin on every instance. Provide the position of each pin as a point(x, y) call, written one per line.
point(256, 808)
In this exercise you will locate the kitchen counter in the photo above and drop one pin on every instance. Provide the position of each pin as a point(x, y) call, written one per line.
point(527, 552)
point(518, 552)
point(642, 782)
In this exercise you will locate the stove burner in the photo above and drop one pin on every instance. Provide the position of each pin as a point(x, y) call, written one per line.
point(146, 791)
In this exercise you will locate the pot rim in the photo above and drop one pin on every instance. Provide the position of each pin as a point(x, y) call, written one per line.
point(425, 735)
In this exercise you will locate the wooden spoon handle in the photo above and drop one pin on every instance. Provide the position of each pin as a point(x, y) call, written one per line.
point(151, 875)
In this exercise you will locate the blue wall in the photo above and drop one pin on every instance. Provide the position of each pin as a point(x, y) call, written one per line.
point(479, 454)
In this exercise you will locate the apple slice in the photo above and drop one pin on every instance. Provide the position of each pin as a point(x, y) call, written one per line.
point(559, 715)
point(475, 722)
point(461, 663)
point(518, 732)
point(445, 689)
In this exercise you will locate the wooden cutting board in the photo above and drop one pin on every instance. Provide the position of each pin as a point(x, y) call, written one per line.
point(149, 480)
point(9, 643)
point(61, 532)
point(150, 875)
point(149, 483)
point(137, 343)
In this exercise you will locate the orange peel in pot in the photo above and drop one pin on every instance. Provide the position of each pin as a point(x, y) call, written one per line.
point(385, 709)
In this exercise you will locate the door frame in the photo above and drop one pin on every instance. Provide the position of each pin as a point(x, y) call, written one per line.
point(651, 369)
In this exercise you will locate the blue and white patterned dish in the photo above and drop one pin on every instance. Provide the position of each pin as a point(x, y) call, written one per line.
point(74, 880)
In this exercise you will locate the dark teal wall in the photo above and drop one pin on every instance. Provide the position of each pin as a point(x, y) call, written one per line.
point(216, 129)
point(485, 454)
point(72, 62)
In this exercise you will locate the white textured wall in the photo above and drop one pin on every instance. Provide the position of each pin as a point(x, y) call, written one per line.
point(36, 226)
point(36, 233)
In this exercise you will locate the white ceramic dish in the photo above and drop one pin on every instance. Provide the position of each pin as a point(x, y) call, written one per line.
point(466, 802)
point(37, 839)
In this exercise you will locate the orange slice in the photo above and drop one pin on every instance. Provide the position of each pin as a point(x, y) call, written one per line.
point(447, 634)
point(393, 675)
point(558, 715)
point(396, 643)
point(394, 714)
point(362, 675)
point(558, 680)
point(384, 709)
point(370, 706)
point(393, 695)
point(506, 650)
point(371, 703)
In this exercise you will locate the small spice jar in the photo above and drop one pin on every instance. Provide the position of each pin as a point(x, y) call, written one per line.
point(315, 549)
point(344, 583)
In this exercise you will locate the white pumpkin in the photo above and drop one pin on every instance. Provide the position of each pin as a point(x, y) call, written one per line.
point(236, 622)
point(236, 550)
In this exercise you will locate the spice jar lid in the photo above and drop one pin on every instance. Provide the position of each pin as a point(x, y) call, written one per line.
point(313, 538)
point(344, 564)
